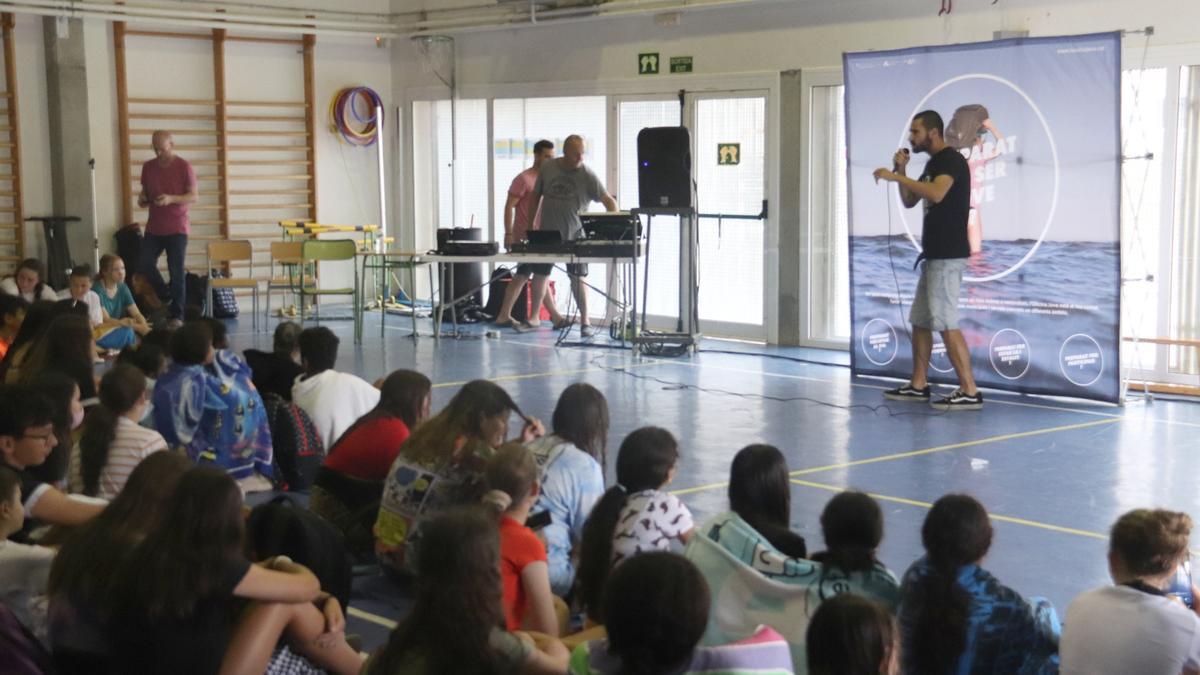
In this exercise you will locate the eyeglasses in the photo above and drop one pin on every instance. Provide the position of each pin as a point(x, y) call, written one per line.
point(44, 438)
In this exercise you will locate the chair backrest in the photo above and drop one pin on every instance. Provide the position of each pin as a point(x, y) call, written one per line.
point(328, 249)
point(286, 251)
point(226, 251)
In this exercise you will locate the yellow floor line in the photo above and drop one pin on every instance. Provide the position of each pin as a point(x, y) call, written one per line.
point(927, 505)
point(954, 446)
point(552, 373)
point(373, 618)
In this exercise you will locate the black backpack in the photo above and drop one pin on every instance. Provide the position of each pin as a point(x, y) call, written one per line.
point(299, 451)
point(282, 527)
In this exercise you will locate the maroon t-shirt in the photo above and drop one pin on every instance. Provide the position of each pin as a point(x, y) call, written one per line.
point(367, 452)
point(176, 178)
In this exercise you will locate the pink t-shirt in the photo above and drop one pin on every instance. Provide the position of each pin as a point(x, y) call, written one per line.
point(176, 178)
point(522, 189)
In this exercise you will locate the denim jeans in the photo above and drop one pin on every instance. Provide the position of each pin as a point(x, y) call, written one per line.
point(176, 247)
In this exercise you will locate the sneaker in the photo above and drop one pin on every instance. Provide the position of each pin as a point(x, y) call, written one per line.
point(526, 326)
point(908, 393)
point(586, 330)
point(959, 400)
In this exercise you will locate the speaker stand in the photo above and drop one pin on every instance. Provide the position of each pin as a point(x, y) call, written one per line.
point(687, 329)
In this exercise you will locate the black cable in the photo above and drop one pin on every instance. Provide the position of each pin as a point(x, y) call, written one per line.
point(782, 357)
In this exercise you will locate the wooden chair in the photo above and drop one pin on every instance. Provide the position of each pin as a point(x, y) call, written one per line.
point(235, 250)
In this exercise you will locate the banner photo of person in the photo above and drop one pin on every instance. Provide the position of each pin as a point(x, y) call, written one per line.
point(1038, 122)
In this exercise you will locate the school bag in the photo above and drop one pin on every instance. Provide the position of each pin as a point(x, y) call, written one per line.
point(282, 527)
point(299, 451)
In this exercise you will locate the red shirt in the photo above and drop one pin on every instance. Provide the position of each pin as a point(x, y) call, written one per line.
point(176, 178)
point(527, 216)
point(367, 451)
point(519, 546)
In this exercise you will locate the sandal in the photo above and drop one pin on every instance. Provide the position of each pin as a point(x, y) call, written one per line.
point(566, 322)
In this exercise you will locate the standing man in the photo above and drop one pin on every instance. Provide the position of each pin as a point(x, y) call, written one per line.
point(168, 186)
point(945, 186)
point(564, 187)
point(520, 216)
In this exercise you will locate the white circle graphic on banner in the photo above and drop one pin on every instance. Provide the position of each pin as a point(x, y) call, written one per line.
point(1053, 153)
point(939, 359)
point(1081, 360)
point(882, 342)
point(1009, 354)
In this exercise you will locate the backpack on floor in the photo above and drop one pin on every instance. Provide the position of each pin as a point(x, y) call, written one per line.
point(282, 527)
point(223, 299)
point(299, 451)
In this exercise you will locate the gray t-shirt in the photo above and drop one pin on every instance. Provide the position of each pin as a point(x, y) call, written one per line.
point(564, 194)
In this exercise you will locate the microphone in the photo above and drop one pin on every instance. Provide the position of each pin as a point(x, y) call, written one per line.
point(896, 165)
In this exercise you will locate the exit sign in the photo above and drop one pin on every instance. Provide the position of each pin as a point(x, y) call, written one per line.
point(681, 64)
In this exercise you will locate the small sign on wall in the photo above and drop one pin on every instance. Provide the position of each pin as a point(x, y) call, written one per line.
point(729, 154)
point(648, 63)
point(681, 64)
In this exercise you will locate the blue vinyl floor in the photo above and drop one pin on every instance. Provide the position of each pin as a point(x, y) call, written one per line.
point(1054, 474)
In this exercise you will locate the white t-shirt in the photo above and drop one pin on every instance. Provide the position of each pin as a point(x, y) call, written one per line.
point(334, 401)
point(9, 286)
point(132, 444)
point(24, 570)
point(1122, 630)
point(92, 300)
point(649, 521)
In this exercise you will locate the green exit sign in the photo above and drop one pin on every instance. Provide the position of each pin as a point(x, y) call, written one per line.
point(681, 64)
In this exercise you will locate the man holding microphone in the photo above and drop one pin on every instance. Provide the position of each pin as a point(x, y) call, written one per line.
point(945, 187)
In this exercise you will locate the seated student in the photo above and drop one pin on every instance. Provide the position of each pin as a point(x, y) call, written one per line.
point(26, 438)
point(113, 442)
point(1134, 626)
point(27, 282)
point(957, 618)
point(115, 298)
point(455, 622)
point(761, 496)
point(852, 524)
point(215, 421)
point(656, 607)
point(851, 635)
point(332, 400)
point(512, 483)
point(571, 461)
point(441, 466)
point(37, 319)
point(12, 314)
point(82, 574)
point(276, 371)
point(349, 484)
point(64, 395)
point(24, 568)
point(614, 531)
point(109, 333)
point(67, 347)
point(176, 597)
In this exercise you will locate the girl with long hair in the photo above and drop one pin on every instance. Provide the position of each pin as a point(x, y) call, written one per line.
point(760, 494)
point(67, 347)
point(441, 465)
point(955, 617)
point(29, 282)
point(614, 531)
point(178, 596)
point(571, 462)
point(852, 524)
point(453, 626)
point(113, 442)
point(851, 635)
point(81, 577)
point(37, 319)
point(115, 297)
point(512, 489)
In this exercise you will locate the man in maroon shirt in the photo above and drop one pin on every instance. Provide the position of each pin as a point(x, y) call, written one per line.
point(168, 186)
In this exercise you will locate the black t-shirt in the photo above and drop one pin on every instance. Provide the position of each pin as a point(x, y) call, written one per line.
point(945, 231)
point(191, 646)
point(272, 373)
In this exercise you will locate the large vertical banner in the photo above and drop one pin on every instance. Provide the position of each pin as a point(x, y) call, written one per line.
point(1038, 120)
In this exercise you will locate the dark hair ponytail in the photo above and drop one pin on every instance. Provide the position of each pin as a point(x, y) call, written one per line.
point(120, 389)
point(644, 462)
point(956, 532)
point(852, 524)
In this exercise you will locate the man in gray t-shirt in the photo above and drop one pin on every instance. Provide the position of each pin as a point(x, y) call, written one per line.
point(565, 187)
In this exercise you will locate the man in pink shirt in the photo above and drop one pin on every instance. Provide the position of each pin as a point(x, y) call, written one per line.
point(168, 186)
point(520, 216)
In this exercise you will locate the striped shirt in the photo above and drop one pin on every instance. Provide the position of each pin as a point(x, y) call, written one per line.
point(132, 444)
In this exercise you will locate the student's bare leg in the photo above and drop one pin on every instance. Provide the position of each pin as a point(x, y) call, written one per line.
point(262, 624)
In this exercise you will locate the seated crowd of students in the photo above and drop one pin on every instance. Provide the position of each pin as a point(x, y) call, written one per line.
point(125, 545)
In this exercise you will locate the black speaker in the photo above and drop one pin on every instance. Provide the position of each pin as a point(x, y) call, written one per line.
point(465, 275)
point(664, 167)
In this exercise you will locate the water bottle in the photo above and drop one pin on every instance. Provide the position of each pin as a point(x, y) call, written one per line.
point(1181, 584)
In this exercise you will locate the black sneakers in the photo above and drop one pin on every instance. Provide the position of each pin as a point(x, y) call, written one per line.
point(908, 393)
point(959, 400)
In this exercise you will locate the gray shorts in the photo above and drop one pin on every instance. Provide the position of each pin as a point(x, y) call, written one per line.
point(935, 305)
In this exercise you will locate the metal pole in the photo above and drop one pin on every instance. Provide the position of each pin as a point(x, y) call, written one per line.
point(95, 220)
point(383, 228)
